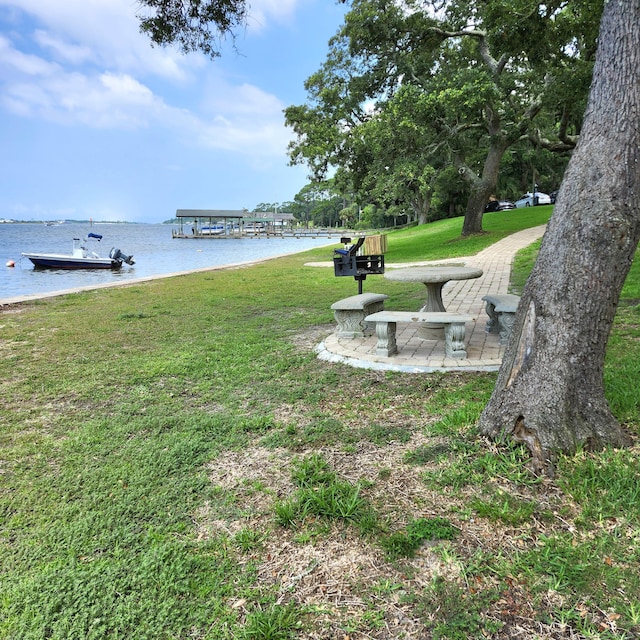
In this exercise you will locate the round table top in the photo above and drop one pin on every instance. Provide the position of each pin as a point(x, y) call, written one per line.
point(429, 275)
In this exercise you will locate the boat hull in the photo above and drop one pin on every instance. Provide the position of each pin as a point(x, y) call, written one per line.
point(53, 261)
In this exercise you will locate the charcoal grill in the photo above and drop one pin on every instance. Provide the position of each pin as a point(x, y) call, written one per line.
point(346, 262)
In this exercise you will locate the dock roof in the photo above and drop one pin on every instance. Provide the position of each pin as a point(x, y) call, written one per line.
point(210, 213)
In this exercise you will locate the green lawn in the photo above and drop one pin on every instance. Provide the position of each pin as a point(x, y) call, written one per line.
point(442, 239)
point(176, 464)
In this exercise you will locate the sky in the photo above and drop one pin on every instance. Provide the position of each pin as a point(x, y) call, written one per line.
point(96, 123)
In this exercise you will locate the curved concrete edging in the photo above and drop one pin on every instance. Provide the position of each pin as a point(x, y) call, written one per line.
point(360, 363)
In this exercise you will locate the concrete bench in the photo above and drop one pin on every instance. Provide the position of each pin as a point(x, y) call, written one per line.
point(501, 309)
point(350, 313)
point(454, 329)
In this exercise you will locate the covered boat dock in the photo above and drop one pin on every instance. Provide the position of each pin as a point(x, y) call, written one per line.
point(240, 223)
point(207, 223)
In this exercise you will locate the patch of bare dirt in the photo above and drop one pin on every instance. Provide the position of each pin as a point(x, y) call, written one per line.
point(338, 573)
point(306, 340)
point(354, 590)
point(12, 308)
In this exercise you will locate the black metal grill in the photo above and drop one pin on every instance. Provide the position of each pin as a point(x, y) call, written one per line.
point(347, 263)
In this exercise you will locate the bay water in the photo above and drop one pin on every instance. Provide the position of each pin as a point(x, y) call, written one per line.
point(154, 250)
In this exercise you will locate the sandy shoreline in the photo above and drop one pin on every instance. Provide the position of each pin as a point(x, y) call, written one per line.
point(108, 285)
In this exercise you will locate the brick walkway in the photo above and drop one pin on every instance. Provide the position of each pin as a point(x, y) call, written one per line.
point(417, 355)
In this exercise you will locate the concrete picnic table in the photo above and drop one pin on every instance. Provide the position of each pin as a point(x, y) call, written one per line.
point(434, 278)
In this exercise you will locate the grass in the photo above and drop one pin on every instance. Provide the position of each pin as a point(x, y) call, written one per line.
point(176, 463)
point(322, 494)
point(405, 544)
point(443, 239)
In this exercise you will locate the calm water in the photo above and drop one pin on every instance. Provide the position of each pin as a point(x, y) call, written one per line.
point(151, 245)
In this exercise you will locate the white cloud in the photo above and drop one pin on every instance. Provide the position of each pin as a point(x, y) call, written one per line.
point(74, 54)
point(105, 32)
point(87, 64)
point(261, 11)
point(37, 88)
point(15, 62)
point(242, 118)
point(243, 100)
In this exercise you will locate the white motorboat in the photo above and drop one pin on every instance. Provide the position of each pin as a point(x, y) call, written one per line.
point(81, 258)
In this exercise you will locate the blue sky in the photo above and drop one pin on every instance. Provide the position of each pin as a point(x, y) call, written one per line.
point(94, 122)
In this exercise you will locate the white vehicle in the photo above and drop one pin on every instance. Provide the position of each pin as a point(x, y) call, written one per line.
point(527, 199)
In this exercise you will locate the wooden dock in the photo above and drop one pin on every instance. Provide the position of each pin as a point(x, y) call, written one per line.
point(264, 233)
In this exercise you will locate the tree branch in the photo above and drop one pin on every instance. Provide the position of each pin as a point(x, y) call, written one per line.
point(557, 146)
point(496, 66)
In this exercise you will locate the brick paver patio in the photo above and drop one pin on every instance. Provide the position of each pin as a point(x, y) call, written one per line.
point(462, 296)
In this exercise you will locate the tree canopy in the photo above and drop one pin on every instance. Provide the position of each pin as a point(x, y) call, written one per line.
point(192, 25)
point(472, 78)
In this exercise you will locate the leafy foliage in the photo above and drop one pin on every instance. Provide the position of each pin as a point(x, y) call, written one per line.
point(409, 91)
point(194, 25)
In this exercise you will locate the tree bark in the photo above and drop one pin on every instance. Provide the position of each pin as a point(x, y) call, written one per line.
point(550, 389)
point(482, 188)
point(474, 211)
point(421, 206)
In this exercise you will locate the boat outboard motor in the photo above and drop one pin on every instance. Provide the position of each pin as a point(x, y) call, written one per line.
point(116, 254)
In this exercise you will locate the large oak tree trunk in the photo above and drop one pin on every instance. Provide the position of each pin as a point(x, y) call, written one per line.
point(481, 188)
point(550, 389)
point(474, 211)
